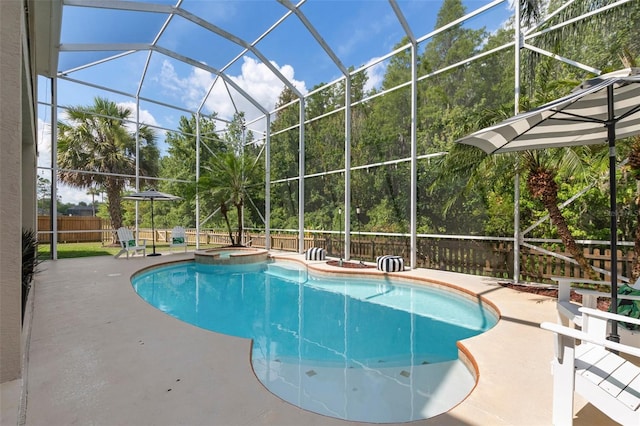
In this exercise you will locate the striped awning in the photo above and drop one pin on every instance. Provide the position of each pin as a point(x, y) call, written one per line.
point(580, 118)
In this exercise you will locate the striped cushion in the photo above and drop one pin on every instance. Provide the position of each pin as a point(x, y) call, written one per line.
point(389, 263)
point(315, 253)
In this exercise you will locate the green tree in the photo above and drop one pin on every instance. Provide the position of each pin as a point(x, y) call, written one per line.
point(180, 165)
point(284, 160)
point(544, 170)
point(596, 40)
point(446, 48)
point(385, 134)
point(44, 194)
point(324, 148)
point(93, 191)
point(629, 60)
point(228, 182)
point(96, 148)
point(591, 41)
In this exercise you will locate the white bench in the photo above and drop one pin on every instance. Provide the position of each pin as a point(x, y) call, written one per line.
point(569, 312)
point(608, 381)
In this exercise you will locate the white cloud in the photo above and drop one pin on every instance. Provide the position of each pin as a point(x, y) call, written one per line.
point(66, 194)
point(145, 116)
point(44, 143)
point(256, 79)
point(375, 74)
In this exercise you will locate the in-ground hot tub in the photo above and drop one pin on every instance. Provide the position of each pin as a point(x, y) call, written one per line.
point(231, 255)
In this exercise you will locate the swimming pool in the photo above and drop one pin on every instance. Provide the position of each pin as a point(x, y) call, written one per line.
point(361, 349)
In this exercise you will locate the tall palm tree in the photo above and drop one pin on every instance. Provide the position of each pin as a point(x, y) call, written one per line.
point(95, 148)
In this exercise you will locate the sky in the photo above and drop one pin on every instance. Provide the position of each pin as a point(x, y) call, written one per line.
point(357, 32)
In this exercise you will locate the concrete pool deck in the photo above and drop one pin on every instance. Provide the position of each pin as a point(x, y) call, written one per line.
point(98, 354)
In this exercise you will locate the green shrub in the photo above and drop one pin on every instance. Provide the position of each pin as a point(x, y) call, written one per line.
point(29, 263)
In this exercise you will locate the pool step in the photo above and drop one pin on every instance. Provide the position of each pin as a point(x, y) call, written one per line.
point(298, 276)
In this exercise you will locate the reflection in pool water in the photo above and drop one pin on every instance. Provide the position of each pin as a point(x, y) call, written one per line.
point(356, 349)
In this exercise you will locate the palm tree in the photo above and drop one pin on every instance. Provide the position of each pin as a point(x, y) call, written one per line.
point(542, 170)
point(623, 40)
point(230, 178)
point(541, 167)
point(95, 148)
point(93, 191)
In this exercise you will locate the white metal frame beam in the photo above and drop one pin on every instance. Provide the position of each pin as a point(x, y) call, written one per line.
point(522, 40)
point(414, 149)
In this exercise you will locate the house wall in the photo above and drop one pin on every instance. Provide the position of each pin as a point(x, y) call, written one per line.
point(11, 179)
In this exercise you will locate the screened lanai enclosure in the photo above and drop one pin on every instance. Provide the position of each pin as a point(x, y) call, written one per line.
point(333, 124)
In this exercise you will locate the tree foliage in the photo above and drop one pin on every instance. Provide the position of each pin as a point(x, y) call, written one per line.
point(96, 148)
point(462, 191)
point(180, 165)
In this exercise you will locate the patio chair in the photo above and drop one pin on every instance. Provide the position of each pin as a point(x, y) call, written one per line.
point(178, 238)
point(594, 370)
point(129, 244)
point(569, 312)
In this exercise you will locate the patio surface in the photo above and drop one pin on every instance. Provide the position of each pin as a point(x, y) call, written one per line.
point(100, 355)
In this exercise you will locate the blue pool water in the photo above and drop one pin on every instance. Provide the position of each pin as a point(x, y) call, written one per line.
point(337, 346)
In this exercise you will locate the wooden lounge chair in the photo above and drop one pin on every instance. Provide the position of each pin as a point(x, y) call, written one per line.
point(569, 312)
point(594, 370)
point(128, 243)
point(178, 238)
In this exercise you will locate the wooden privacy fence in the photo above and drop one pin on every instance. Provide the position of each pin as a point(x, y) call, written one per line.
point(477, 257)
point(71, 229)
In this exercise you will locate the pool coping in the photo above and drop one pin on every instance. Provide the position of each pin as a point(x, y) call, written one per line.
point(241, 256)
point(100, 355)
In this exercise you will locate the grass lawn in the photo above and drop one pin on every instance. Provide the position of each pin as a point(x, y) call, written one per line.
point(71, 250)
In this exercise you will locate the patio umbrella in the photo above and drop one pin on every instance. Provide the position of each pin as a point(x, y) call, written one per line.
point(152, 195)
point(599, 110)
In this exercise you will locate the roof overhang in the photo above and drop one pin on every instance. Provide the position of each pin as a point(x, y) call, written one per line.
point(45, 34)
